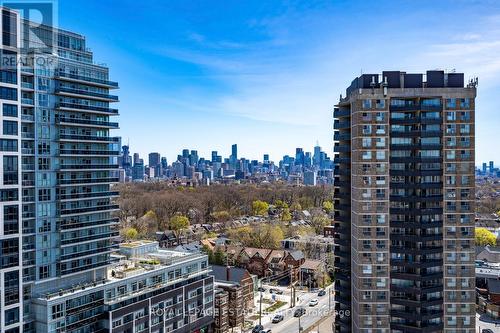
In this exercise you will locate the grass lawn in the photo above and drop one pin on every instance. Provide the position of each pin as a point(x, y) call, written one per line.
point(275, 306)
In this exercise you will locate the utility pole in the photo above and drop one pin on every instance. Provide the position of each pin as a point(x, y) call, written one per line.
point(260, 304)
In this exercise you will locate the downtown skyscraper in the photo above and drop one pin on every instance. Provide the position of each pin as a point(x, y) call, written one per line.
point(404, 208)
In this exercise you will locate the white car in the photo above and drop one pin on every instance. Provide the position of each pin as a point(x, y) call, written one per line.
point(313, 302)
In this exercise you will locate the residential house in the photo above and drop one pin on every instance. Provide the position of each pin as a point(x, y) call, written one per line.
point(166, 238)
point(275, 262)
point(254, 260)
point(236, 275)
point(311, 271)
point(488, 300)
point(293, 260)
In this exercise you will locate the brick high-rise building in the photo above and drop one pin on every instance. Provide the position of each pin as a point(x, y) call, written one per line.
point(404, 207)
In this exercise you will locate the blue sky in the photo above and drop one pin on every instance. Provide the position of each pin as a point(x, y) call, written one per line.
point(266, 74)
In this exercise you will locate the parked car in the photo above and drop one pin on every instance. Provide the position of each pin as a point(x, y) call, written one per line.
point(276, 291)
point(277, 318)
point(261, 289)
point(486, 330)
point(313, 302)
point(322, 292)
point(257, 329)
point(299, 312)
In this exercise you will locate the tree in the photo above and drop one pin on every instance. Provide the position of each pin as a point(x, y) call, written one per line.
point(327, 206)
point(178, 224)
point(130, 234)
point(260, 207)
point(221, 216)
point(267, 236)
point(285, 215)
point(319, 221)
point(219, 257)
point(295, 207)
point(242, 235)
point(485, 237)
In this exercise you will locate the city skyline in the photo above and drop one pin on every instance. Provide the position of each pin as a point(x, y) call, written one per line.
point(267, 77)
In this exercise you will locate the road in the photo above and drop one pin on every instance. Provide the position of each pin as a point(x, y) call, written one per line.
point(312, 316)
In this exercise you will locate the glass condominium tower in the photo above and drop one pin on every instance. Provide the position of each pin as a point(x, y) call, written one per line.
point(58, 164)
point(404, 207)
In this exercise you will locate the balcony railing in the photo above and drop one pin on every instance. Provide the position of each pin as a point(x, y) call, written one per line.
point(88, 166)
point(61, 120)
point(105, 235)
point(87, 181)
point(88, 152)
point(87, 195)
point(75, 225)
point(86, 107)
point(27, 101)
point(86, 93)
point(77, 77)
point(88, 138)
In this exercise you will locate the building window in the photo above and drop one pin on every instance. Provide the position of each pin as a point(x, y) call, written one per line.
point(9, 195)
point(8, 93)
point(8, 145)
point(367, 104)
point(11, 316)
point(10, 170)
point(9, 127)
point(11, 220)
point(9, 110)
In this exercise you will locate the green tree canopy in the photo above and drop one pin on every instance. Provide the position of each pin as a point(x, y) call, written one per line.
point(130, 234)
point(485, 237)
point(328, 206)
point(260, 207)
point(178, 224)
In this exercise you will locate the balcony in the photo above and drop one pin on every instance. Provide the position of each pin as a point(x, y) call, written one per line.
point(415, 133)
point(413, 224)
point(341, 136)
point(417, 251)
point(342, 160)
point(27, 117)
point(417, 185)
point(27, 85)
point(80, 122)
point(87, 195)
point(68, 225)
point(416, 211)
point(77, 152)
point(416, 238)
point(341, 125)
point(85, 79)
point(105, 235)
point(66, 167)
point(90, 138)
point(27, 101)
point(87, 181)
point(337, 113)
point(416, 172)
point(101, 250)
point(414, 329)
point(418, 264)
point(89, 108)
point(341, 148)
point(76, 211)
point(86, 93)
point(406, 107)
